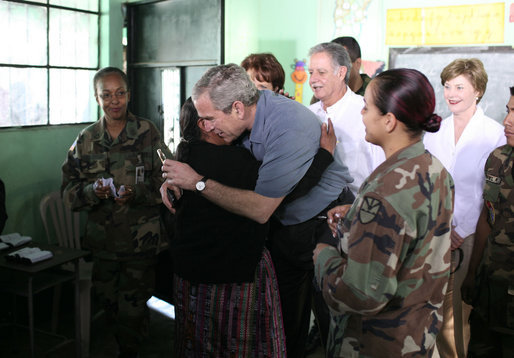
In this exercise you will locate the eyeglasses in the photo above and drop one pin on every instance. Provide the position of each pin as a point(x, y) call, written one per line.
point(109, 97)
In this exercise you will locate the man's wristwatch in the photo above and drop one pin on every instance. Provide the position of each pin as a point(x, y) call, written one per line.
point(200, 186)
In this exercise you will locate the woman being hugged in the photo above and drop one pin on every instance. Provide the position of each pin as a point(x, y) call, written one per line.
point(386, 281)
point(463, 144)
point(224, 285)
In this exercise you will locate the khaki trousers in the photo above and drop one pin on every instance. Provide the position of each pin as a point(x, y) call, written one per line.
point(453, 338)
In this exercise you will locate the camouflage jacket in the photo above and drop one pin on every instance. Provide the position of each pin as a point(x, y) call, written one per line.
point(499, 199)
point(112, 230)
point(386, 283)
point(365, 82)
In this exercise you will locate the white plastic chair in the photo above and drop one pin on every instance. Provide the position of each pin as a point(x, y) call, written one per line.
point(66, 228)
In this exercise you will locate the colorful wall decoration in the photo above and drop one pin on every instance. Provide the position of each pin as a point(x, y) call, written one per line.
point(349, 15)
point(299, 76)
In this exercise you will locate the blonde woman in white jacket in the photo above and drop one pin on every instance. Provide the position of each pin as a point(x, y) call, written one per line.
point(463, 144)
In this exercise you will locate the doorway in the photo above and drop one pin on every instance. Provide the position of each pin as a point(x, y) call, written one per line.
point(170, 44)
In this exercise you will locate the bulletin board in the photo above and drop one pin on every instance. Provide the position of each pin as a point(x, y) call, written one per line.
point(446, 25)
point(498, 62)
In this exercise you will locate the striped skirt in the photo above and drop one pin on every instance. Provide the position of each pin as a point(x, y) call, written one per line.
point(230, 320)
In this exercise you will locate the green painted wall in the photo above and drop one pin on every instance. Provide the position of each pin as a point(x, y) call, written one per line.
point(285, 28)
point(31, 158)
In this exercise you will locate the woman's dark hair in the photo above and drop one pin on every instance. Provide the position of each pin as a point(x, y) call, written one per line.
point(267, 69)
point(189, 130)
point(108, 71)
point(408, 95)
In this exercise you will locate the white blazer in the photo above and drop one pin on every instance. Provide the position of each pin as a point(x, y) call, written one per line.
point(465, 161)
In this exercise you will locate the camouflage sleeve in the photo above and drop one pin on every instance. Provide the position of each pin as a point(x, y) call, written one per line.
point(364, 280)
point(76, 190)
point(148, 192)
point(492, 176)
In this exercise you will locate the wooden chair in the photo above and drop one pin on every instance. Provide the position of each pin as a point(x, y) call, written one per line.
point(64, 225)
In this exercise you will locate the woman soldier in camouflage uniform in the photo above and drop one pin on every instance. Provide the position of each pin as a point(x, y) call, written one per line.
point(386, 281)
point(123, 226)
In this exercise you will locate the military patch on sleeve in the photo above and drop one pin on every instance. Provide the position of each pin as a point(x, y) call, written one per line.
point(493, 179)
point(369, 210)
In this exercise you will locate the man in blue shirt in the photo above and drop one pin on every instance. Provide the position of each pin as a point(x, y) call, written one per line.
point(285, 136)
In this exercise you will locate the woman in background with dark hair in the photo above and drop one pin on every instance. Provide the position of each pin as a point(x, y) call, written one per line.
point(386, 281)
point(224, 287)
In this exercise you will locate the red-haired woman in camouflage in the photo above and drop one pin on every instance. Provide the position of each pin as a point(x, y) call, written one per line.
point(386, 281)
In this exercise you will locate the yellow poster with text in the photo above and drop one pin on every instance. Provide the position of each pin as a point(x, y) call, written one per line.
point(446, 25)
point(469, 24)
point(403, 27)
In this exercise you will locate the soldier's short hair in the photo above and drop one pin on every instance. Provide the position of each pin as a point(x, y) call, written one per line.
point(472, 68)
point(226, 84)
point(101, 73)
point(337, 53)
point(351, 45)
point(512, 91)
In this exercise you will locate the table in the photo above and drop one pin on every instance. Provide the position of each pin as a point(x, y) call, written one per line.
point(39, 277)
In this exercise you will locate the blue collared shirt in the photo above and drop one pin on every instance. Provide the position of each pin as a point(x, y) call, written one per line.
point(285, 137)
